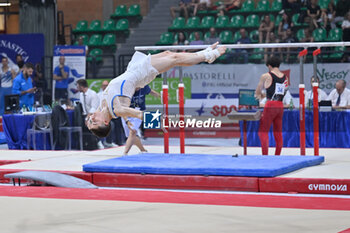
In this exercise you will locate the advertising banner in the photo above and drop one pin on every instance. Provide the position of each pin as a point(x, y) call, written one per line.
point(173, 83)
point(211, 108)
point(75, 60)
point(211, 81)
point(29, 46)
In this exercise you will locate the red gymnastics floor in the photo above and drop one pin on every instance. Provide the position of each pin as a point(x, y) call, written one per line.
point(331, 177)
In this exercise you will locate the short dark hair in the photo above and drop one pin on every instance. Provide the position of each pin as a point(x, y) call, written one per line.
point(102, 131)
point(273, 62)
point(82, 82)
point(29, 65)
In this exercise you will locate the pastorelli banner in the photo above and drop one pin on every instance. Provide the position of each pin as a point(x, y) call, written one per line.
point(224, 81)
point(75, 60)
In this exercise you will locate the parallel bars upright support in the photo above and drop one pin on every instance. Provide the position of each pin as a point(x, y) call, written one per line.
point(165, 114)
point(181, 110)
point(316, 123)
point(315, 103)
point(302, 54)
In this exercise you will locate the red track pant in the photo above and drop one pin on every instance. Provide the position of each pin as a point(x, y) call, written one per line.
point(273, 113)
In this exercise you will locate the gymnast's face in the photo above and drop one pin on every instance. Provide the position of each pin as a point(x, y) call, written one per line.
point(93, 121)
point(98, 118)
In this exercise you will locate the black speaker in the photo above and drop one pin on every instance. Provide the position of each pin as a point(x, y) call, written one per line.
point(12, 103)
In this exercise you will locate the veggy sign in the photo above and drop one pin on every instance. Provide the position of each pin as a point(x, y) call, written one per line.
point(329, 78)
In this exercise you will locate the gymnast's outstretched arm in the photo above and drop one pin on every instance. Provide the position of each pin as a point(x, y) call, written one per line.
point(121, 108)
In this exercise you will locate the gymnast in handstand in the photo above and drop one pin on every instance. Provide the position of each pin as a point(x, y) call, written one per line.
point(141, 70)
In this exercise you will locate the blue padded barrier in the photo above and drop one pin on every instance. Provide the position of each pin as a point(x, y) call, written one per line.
point(2, 138)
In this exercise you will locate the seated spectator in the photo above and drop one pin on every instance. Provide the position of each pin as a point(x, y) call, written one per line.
point(313, 14)
point(181, 39)
point(230, 5)
point(23, 86)
point(192, 8)
point(244, 38)
point(234, 5)
point(309, 96)
point(342, 7)
point(265, 28)
point(197, 5)
point(291, 5)
point(81, 43)
point(346, 27)
point(291, 38)
point(7, 74)
point(182, 8)
point(221, 13)
point(236, 54)
point(197, 40)
point(328, 15)
point(305, 3)
point(340, 96)
point(204, 5)
point(283, 26)
point(272, 51)
point(308, 36)
point(213, 38)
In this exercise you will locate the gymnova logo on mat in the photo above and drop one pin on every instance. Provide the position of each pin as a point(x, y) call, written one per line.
point(328, 187)
point(152, 120)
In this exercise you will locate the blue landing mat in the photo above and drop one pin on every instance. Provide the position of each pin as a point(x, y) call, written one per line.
point(201, 164)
